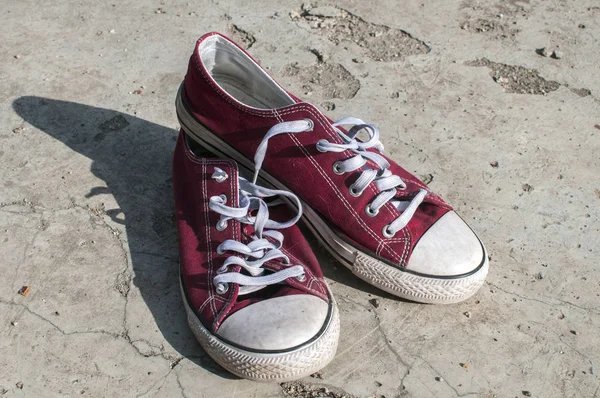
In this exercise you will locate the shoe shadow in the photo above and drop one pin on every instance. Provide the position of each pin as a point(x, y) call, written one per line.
point(133, 157)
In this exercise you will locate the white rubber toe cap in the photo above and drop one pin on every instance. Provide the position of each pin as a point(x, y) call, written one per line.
point(276, 324)
point(448, 248)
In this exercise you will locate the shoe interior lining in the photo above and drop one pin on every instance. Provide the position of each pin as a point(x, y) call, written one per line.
point(240, 76)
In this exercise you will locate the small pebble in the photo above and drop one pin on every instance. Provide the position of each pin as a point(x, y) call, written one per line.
point(574, 332)
point(557, 54)
point(14, 323)
point(581, 26)
point(19, 385)
point(374, 302)
point(467, 314)
point(111, 31)
point(545, 51)
point(24, 291)
point(438, 378)
point(526, 393)
point(494, 163)
point(18, 56)
point(527, 188)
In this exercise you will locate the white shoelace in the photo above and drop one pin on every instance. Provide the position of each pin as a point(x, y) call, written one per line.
point(383, 178)
point(261, 249)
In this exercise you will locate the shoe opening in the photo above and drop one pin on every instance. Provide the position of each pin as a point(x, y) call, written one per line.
point(239, 76)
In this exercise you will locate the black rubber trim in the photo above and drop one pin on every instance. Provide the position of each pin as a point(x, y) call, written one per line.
point(306, 343)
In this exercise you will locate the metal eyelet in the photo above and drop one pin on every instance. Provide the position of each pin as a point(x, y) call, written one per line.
point(221, 225)
point(222, 288)
point(301, 278)
point(311, 124)
point(337, 168)
point(370, 212)
point(224, 197)
point(385, 231)
point(321, 142)
point(222, 269)
point(354, 192)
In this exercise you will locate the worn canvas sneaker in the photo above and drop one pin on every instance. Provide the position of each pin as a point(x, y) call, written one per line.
point(255, 296)
point(375, 217)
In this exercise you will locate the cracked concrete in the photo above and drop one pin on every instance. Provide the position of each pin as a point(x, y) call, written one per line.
point(88, 128)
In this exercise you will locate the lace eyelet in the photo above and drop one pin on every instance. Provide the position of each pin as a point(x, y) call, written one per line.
point(311, 124)
point(223, 197)
point(222, 288)
point(321, 142)
point(301, 278)
point(385, 231)
point(337, 168)
point(219, 250)
point(221, 225)
point(370, 212)
point(222, 269)
point(354, 192)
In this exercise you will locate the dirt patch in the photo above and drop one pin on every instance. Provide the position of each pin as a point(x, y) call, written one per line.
point(297, 389)
point(582, 92)
point(327, 80)
point(381, 42)
point(163, 224)
point(239, 35)
point(506, 8)
point(517, 79)
point(480, 25)
point(114, 124)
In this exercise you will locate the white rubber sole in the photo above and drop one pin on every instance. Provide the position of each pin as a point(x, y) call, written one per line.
point(269, 367)
point(404, 284)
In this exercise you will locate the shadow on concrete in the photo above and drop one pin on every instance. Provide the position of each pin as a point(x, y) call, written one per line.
point(133, 157)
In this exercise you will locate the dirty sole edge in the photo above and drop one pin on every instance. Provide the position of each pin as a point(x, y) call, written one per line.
point(268, 367)
point(403, 284)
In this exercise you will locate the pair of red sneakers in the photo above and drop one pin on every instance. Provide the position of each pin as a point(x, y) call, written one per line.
point(254, 293)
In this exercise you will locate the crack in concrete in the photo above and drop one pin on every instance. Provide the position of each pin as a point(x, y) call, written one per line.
point(181, 388)
point(442, 379)
point(384, 334)
point(164, 380)
point(564, 302)
point(123, 335)
point(592, 364)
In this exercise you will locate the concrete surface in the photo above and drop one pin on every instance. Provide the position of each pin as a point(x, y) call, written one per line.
point(86, 216)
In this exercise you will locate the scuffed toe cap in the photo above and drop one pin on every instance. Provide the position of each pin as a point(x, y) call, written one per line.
point(276, 324)
point(448, 248)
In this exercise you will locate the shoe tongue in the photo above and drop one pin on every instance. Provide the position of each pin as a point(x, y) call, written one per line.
point(266, 293)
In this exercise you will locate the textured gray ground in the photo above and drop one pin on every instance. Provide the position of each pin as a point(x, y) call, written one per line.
point(86, 215)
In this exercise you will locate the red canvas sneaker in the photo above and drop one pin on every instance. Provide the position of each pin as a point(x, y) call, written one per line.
point(374, 216)
point(255, 296)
